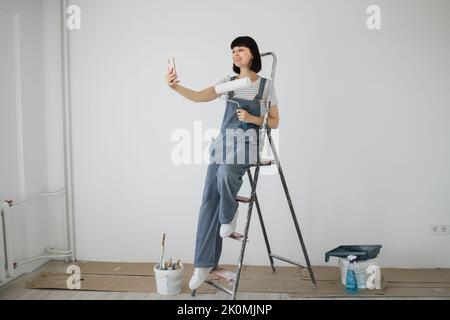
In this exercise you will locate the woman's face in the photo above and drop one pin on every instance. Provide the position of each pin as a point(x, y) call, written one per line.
point(242, 57)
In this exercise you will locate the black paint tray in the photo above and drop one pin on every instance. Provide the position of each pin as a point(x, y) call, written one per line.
point(362, 252)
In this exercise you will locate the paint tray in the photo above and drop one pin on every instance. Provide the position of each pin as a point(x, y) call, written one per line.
point(362, 252)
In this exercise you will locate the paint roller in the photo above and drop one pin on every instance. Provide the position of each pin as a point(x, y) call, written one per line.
point(232, 85)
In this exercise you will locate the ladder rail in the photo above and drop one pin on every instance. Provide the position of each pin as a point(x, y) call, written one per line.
point(218, 286)
point(291, 209)
point(261, 221)
point(247, 227)
point(298, 264)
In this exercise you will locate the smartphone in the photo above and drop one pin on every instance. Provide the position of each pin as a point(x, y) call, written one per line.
point(171, 62)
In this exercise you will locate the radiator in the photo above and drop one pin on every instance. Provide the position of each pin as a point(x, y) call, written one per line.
point(8, 263)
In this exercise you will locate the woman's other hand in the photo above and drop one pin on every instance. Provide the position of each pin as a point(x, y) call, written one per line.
point(172, 78)
point(243, 115)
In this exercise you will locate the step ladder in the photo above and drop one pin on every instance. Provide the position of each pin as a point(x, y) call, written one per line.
point(253, 200)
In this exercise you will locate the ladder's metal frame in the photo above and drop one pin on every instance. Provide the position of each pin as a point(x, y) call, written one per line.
point(254, 199)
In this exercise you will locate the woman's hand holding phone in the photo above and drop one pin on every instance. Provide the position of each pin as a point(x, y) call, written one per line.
point(171, 76)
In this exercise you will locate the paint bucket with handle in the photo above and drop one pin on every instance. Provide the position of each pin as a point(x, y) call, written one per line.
point(168, 274)
point(168, 281)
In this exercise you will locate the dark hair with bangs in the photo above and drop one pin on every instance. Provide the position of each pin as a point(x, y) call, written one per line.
point(249, 43)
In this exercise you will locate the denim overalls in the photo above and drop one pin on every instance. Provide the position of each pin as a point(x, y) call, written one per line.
point(224, 178)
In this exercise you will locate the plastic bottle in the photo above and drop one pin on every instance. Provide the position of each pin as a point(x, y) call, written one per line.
point(350, 280)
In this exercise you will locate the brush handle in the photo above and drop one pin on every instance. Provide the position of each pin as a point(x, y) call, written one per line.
point(161, 263)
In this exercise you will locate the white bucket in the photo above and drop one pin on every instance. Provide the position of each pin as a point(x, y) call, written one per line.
point(168, 282)
point(360, 271)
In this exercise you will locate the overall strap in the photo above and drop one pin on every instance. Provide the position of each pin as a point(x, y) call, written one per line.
point(262, 85)
point(231, 93)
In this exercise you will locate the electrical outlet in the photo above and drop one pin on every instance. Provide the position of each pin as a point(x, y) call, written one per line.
point(440, 229)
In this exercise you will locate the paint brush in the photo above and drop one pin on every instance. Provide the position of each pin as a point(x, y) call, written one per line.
point(162, 263)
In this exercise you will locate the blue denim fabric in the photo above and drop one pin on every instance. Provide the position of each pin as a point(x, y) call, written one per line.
point(224, 179)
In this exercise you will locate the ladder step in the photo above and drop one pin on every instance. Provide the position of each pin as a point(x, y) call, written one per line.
point(266, 162)
point(224, 274)
point(243, 199)
point(237, 236)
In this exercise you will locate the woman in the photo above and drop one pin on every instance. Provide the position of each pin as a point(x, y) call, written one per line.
point(244, 112)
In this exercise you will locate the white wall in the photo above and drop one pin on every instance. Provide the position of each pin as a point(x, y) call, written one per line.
point(364, 136)
point(30, 160)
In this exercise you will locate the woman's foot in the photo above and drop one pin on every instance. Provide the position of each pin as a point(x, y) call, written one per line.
point(227, 229)
point(199, 276)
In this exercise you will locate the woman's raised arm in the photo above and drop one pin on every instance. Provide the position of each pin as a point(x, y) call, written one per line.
point(204, 95)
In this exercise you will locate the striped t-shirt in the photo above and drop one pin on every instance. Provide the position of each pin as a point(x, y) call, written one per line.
point(249, 92)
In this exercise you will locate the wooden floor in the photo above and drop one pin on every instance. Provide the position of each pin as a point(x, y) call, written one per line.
point(17, 290)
